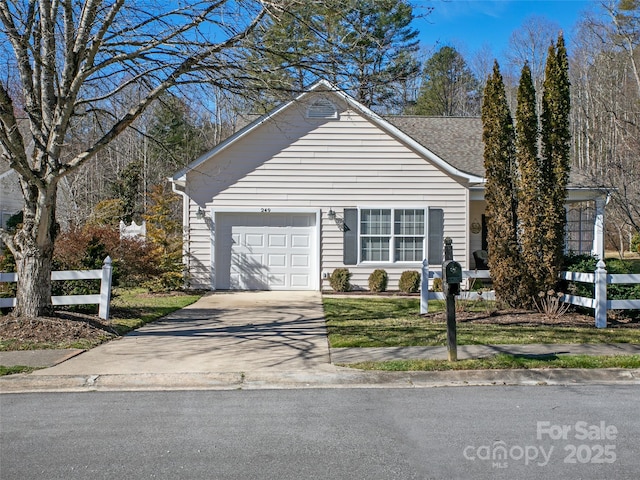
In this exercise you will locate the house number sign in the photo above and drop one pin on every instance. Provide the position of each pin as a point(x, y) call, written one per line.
point(265, 210)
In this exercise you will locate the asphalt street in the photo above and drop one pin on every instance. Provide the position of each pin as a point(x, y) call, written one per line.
point(569, 432)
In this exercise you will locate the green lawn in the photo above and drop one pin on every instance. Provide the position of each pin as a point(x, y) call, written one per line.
point(390, 322)
point(506, 361)
point(15, 369)
point(133, 307)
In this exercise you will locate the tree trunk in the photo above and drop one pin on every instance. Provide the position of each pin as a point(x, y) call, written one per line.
point(33, 250)
point(33, 298)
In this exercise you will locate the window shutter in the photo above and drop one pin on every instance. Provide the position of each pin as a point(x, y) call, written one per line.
point(350, 237)
point(436, 236)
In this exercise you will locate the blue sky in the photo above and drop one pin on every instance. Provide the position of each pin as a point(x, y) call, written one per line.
point(468, 24)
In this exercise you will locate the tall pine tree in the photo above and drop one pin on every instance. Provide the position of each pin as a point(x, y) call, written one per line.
point(500, 190)
point(556, 160)
point(449, 87)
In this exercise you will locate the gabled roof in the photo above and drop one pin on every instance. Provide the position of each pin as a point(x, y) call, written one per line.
point(466, 173)
point(452, 143)
point(456, 139)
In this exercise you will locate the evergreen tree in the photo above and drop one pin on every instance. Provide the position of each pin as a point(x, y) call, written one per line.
point(366, 47)
point(378, 38)
point(127, 189)
point(285, 54)
point(530, 198)
point(449, 88)
point(175, 139)
point(500, 190)
point(555, 161)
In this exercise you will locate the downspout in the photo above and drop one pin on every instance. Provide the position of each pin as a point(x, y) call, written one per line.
point(186, 228)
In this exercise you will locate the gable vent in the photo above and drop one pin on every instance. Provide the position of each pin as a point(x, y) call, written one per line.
point(322, 108)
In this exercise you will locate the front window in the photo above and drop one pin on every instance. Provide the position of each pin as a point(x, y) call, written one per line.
point(580, 221)
point(392, 235)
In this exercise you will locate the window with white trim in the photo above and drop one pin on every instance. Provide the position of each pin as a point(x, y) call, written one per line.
point(392, 235)
point(580, 227)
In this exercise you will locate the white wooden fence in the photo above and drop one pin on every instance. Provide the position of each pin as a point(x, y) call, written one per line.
point(103, 299)
point(468, 275)
point(600, 278)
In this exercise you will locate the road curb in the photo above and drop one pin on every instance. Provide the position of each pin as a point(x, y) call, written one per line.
point(340, 378)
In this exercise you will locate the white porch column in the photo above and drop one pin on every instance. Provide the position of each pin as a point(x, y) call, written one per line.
point(598, 229)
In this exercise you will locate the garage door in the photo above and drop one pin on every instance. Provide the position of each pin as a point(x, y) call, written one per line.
point(266, 251)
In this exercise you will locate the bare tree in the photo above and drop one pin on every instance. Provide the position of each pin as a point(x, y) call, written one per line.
point(72, 61)
point(606, 95)
point(529, 44)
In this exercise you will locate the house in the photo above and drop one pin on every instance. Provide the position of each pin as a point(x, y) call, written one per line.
point(11, 199)
point(322, 182)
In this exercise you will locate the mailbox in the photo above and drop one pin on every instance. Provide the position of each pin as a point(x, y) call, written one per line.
point(452, 272)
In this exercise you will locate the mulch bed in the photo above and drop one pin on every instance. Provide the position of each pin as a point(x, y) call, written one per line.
point(63, 328)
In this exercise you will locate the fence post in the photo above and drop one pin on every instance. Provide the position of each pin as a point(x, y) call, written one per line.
point(424, 288)
point(600, 296)
point(105, 289)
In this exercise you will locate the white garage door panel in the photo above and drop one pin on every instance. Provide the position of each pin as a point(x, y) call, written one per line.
point(299, 260)
point(300, 241)
point(277, 260)
point(277, 240)
point(271, 251)
point(254, 240)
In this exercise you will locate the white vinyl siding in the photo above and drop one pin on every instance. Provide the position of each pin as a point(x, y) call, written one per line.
point(11, 199)
point(294, 162)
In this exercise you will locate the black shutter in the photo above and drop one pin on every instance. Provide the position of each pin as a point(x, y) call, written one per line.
point(436, 236)
point(350, 236)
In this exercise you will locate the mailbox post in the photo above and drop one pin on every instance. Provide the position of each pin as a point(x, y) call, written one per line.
point(451, 280)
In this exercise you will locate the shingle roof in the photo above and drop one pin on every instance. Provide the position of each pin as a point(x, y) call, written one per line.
point(456, 140)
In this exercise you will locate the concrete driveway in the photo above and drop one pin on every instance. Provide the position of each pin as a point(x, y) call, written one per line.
point(221, 332)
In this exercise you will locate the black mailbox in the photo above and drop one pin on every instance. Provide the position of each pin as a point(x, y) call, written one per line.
point(452, 272)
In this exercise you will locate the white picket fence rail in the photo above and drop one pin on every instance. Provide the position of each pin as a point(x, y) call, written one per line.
point(427, 277)
point(103, 299)
point(600, 278)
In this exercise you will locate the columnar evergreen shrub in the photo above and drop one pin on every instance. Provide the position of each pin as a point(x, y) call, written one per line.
point(555, 139)
point(526, 190)
point(529, 191)
point(500, 190)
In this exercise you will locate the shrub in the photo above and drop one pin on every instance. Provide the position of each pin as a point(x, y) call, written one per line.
point(583, 263)
point(378, 280)
point(86, 248)
point(409, 281)
point(550, 304)
point(339, 280)
point(635, 242)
